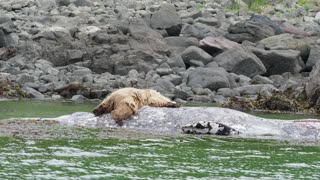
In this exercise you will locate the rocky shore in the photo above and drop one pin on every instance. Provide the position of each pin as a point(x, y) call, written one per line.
point(194, 50)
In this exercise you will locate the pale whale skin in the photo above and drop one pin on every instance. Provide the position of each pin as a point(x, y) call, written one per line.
point(170, 121)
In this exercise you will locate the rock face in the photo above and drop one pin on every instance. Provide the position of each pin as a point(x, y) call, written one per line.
point(240, 61)
point(184, 49)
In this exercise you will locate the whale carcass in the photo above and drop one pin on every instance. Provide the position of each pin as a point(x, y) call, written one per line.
point(172, 120)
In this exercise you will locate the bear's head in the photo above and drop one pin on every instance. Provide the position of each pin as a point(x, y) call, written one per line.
point(102, 108)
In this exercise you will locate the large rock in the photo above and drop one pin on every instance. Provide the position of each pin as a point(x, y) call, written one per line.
point(313, 58)
point(288, 41)
point(167, 18)
point(280, 61)
point(198, 30)
point(181, 41)
point(211, 78)
point(195, 53)
point(313, 86)
point(8, 38)
point(256, 89)
point(240, 61)
point(250, 31)
point(256, 28)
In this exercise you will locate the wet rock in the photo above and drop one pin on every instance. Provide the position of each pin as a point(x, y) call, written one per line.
point(195, 53)
point(240, 61)
point(211, 78)
point(280, 61)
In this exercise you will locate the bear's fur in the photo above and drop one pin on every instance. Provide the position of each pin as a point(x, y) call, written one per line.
point(127, 101)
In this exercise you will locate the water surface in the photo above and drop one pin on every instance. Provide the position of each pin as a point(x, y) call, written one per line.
point(190, 157)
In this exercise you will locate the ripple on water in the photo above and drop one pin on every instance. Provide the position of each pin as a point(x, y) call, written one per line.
point(75, 152)
point(56, 162)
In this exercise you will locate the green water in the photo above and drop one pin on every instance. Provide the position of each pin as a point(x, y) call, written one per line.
point(188, 157)
point(37, 108)
point(191, 157)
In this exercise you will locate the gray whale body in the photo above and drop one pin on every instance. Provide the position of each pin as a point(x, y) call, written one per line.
point(171, 120)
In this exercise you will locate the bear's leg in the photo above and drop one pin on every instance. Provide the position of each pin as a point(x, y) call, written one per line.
point(105, 107)
point(124, 110)
point(162, 102)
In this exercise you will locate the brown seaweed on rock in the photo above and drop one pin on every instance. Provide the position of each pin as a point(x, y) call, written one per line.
point(11, 89)
point(278, 102)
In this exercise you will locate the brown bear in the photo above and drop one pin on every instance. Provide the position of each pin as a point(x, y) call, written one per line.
point(125, 102)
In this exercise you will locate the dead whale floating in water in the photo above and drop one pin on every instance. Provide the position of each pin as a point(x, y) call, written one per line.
point(170, 121)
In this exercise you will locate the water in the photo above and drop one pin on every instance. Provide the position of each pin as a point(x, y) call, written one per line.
point(163, 157)
point(191, 157)
point(38, 108)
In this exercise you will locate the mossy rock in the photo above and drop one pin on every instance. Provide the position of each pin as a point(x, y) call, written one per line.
point(12, 89)
point(277, 102)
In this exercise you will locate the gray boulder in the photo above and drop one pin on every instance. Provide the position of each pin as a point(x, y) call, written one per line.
point(280, 61)
point(211, 78)
point(181, 41)
point(288, 41)
point(313, 86)
point(167, 18)
point(313, 58)
point(261, 80)
point(34, 93)
point(25, 78)
point(240, 61)
point(198, 31)
point(210, 21)
point(250, 31)
point(257, 89)
point(195, 53)
point(176, 61)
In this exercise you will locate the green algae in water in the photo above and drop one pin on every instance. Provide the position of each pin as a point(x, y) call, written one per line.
point(46, 109)
point(165, 158)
